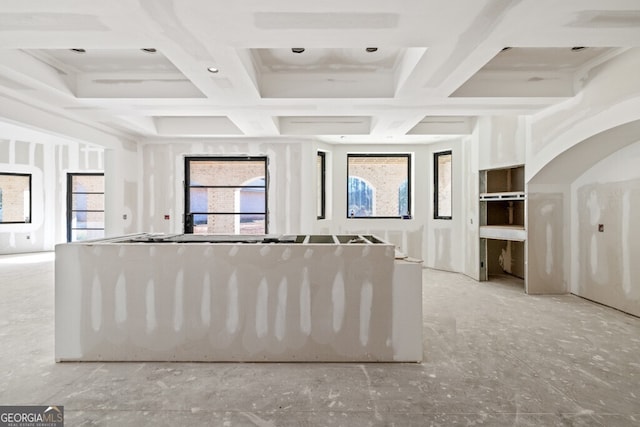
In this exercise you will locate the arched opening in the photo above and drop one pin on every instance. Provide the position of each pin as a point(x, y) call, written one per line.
point(250, 202)
point(581, 210)
point(361, 198)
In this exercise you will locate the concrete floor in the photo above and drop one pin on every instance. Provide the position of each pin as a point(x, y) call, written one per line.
point(493, 356)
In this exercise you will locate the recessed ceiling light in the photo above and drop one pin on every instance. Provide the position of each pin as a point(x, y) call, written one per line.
point(148, 50)
point(78, 50)
point(297, 49)
point(577, 48)
point(371, 49)
point(212, 70)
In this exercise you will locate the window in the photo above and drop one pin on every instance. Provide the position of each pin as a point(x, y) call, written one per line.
point(15, 198)
point(378, 185)
point(85, 206)
point(442, 185)
point(321, 171)
point(226, 195)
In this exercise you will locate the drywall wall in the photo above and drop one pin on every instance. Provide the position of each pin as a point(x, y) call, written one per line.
point(608, 98)
point(605, 231)
point(578, 187)
point(564, 143)
point(437, 242)
point(47, 159)
point(502, 141)
point(291, 195)
point(470, 152)
point(122, 175)
point(545, 242)
point(292, 192)
point(497, 142)
point(236, 302)
point(443, 238)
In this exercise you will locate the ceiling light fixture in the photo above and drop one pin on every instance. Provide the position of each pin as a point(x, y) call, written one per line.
point(212, 70)
point(149, 50)
point(577, 48)
point(297, 49)
point(78, 50)
point(371, 49)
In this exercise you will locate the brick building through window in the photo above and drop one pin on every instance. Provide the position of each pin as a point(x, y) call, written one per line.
point(226, 195)
point(378, 185)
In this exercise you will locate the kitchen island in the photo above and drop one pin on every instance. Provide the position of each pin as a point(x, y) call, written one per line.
point(149, 297)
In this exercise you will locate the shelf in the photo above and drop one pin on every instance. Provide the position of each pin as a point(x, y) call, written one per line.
point(502, 180)
point(503, 196)
point(503, 232)
point(502, 219)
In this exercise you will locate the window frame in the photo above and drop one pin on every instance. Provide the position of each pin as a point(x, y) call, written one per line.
point(322, 155)
point(70, 210)
point(28, 220)
point(188, 215)
point(436, 175)
point(408, 156)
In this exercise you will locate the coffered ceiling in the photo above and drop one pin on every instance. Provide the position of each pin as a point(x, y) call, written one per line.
point(356, 70)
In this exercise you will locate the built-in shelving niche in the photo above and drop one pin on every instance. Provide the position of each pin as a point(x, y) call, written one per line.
point(502, 223)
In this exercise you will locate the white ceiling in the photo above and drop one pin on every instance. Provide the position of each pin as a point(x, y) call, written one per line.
point(437, 65)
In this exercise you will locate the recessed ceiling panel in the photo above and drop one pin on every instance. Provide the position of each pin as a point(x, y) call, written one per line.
point(119, 73)
point(195, 126)
point(607, 19)
point(544, 58)
point(443, 125)
point(334, 125)
point(325, 20)
point(530, 72)
point(108, 60)
point(50, 21)
point(300, 72)
point(325, 60)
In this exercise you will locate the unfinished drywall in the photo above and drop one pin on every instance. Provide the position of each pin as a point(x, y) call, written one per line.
point(443, 244)
point(47, 159)
point(605, 231)
point(502, 141)
point(609, 98)
point(291, 195)
point(236, 302)
point(471, 208)
point(121, 190)
point(545, 243)
point(564, 143)
point(438, 242)
point(499, 143)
